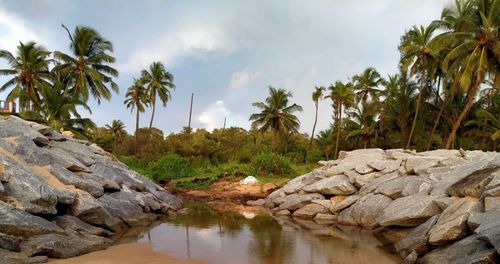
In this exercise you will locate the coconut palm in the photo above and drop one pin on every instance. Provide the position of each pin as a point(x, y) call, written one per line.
point(474, 53)
point(277, 115)
point(363, 120)
point(117, 131)
point(418, 56)
point(88, 66)
point(489, 124)
point(317, 95)
point(342, 95)
point(366, 84)
point(159, 83)
point(30, 67)
point(325, 141)
point(136, 99)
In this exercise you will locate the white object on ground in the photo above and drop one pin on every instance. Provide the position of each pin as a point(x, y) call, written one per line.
point(249, 180)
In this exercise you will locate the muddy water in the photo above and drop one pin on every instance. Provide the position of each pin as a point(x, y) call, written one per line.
point(219, 234)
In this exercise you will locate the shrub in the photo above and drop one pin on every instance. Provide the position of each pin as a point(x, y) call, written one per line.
point(171, 166)
point(136, 164)
point(271, 163)
point(314, 155)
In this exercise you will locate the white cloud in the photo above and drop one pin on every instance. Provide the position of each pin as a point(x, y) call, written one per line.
point(13, 30)
point(197, 42)
point(214, 115)
point(242, 78)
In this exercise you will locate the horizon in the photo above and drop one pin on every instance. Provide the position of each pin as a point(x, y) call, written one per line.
point(286, 44)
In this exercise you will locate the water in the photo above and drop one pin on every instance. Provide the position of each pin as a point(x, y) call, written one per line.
point(222, 235)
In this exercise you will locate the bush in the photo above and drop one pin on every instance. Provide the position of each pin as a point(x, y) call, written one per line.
point(271, 163)
point(136, 164)
point(171, 166)
point(314, 155)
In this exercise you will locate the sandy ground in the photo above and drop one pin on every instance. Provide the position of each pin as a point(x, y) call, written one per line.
point(133, 253)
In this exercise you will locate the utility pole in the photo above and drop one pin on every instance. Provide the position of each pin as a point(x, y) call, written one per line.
point(190, 112)
point(224, 126)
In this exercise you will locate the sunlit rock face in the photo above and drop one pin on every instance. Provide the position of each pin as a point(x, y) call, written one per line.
point(61, 197)
point(445, 201)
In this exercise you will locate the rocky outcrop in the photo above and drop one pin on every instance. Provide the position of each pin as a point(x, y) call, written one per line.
point(437, 206)
point(62, 197)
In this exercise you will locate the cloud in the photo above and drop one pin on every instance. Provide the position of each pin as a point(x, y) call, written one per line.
point(242, 78)
point(13, 30)
point(214, 115)
point(198, 42)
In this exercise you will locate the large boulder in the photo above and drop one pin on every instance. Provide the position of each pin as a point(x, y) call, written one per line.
point(18, 222)
point(334, 185)
point(417, 239)
point(467, 250)
point(300, 182)
point(473, 184)
point(310, 211)
point(409, 211)
point(296, 201)
point(365, 210)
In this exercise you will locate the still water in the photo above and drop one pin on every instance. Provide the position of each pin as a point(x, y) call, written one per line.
point(218, 234)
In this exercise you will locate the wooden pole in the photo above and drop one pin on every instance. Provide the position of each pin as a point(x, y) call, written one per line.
point(190, 112)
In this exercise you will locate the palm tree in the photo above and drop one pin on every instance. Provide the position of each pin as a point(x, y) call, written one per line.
point(366, 84)
point(363, 120)
point(158, 83)
point(325, 141)
point(30, 68)
point(489, 124)
point(277, 115)
point(418, 55)
point(473, 53)
point(342, 95)
point(117, 131)
point(316, 96)
point(88, 68)
point(136, 99)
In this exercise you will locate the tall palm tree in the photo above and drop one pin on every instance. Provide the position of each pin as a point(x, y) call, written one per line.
point(136, 99)
point(418, 55)
point(342, 95)
point(489, 123)
point(88, 66)
point(325, 142)
point(317, 95)
point(366, 84)
point(474, 53)
point(30, 67)
point(117, 131)
point(158, 82)
point(363, 120)
point(277, 115)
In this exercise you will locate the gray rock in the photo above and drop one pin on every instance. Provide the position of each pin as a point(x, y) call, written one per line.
point(363, 169)
point(343, 203)
point(8, 243)
point(81, 151)
point(380, 181)
point(295, 201)
point(125, 209)
point(300, 182)
point(477, 218)
point(258, 202)
point(457, 252)
point(493, 188)
point(9, 257)
point(17, 222)
point(473, 184)
point(322, 218)
point(365, 210)
point(119, 176)
point(91, 211)
point(401, 186)
point(489, 229)
point(68, 222)
point(13, 126)
point(444, 202)
point(452, 224)
point(409, 211)
point(417, 239)
point(420, 164)
point(491, 204)
point(411, 258)
point(334, 185)
point(310, 211)
point(283, 212)
point(70, 178)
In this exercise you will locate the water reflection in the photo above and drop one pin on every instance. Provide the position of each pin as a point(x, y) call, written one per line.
point(255, 237)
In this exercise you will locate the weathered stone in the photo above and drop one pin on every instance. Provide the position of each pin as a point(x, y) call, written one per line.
point(493, 188)
point(360, 180)
point(401, 186)
point(420, 164)
point(13, 126)
point(284, 212)
point(17, 222)
point(295, 201)
point(491, 204)
point(8, 243)
point(70, 178)
point(82, 152)
point(411, 258)
point(365, 210)
point(258, 202)
point(125, 209)
point(322, 218)
point(489, 229)
point(409, 211)
point(91, 211)
point(473, 184)
point(452, 224)
point(444, 202)
point(363, 169)
point(458, 252)
point(325, 203)
point(380, 181)
point(68, 222)
point(300, 182)
point(417, 239)
point(309, 211)
point(9, 257)
point(334, 185)
point(342, 202)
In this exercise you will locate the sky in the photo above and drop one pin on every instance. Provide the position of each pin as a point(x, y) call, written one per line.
point(226, 52)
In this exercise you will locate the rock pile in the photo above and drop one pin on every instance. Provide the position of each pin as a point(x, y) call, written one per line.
point(439, 206)
point(61, 197)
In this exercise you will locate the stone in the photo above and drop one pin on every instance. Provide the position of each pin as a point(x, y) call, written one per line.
point(340, 202)
point(68, 222)
point(363, 169)
point(493, 187)
point(8, 243)
point(417, 239)
point(300, 182)
point(249, 180)
point(380, 181)
point(70, 178)
point(444, 202)
point(13, 126)
point(401, 186)
point(334, 185)
point(81, 151)
point(491, 204)
point(452, 224)
point(17, 222)
point(325, 203)
point(489, 229)
point(125, 209)
point(296, 201)
point(409, 211)
point(283, 213)
point(419, 164)
point(258, 202)
point(91, 211)
point(458, 252)
point(473, 184)
point(9, 257)
point(411, 258)
point(365, 210)
point(310, 211)
point(322, 218)
point(360, 180)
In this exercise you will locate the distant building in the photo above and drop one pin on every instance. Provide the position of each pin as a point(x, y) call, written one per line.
point(7, 107)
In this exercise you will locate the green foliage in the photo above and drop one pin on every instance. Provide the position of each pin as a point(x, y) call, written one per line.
point(136, 164)
point(171, 166)
point(271, 163)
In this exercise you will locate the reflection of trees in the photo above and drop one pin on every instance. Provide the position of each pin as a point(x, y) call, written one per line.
point(269, 243)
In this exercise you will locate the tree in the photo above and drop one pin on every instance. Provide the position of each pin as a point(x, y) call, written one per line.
point(474, 52)
point(489, 124)
point(342, 95)
point(136, 99)
point(30, 67)
point(363, 119)
point(88, 67)
point(316, 96)
point(158, 83)
point(366, 83)
point(117, 131)
point(418, 56)
point(277, 115)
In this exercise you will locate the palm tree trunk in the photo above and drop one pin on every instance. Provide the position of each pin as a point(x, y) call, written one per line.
point(338, 132)
point(152, 115)
point(429, 142)
point(314, 126)
point(137, 131)
point(468, 105)
point(417, 110)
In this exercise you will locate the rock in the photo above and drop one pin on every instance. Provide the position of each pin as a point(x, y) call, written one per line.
point(68, 222)
point(409, 211)
point(296, 201)
point(477, 218)
point(8, 243)
point(13, 126)
point(341, 202)
point(473, 184)
point(360, 180)
point(259, 202)
point(452, 224)
point(380, 181)
point(419, 165)
point(335, 185)
point(491, 204)
point(417, 239)
point(83, 153)
point(444, 202)
point(300, 182)
point(322, 218)
point(9, 257)
point(365, 210)
point(249, 180)
point(17, 222)
point(283, 213)
point(325, 203)
point(118, 175)
point(489, 229)
point(411, 258)
point(124, 209)
point(458, 252)
point(310, 210)
point(401, 186)
point(493, 187)
point(70, 178)
point(363, 169)
point(91, 211)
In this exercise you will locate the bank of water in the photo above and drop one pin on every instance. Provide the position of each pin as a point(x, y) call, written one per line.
point(223, 233)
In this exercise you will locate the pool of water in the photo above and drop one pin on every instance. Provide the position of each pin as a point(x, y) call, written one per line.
point(222, 234)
